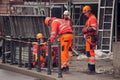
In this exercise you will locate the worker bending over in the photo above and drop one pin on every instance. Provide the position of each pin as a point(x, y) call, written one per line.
point(61, 30)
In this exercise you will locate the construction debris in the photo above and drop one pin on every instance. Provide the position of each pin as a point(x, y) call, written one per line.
point(98, 55)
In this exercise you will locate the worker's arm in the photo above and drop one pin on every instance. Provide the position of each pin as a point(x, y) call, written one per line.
point(54, 29)
point(93, 25)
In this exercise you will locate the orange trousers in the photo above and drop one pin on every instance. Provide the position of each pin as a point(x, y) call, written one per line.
point(65, 43)
point(90, 46)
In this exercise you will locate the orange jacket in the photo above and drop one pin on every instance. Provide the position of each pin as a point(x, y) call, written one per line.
point(58, 27)
point(91, 22)
point(43, 49)
point(35, 48)
point(69, 21)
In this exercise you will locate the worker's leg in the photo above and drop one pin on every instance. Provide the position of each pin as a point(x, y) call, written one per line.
point(65, 43)
point(90, 54)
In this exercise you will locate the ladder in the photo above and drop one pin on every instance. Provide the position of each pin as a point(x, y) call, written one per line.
point(105, 20)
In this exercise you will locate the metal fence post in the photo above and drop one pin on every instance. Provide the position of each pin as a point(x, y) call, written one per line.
point(20, 53)
point(11, 49)
point(59, 61)
point(29, 55)
point(49, 57)
point(3, 51)
point(39, 53)
point(14, 52)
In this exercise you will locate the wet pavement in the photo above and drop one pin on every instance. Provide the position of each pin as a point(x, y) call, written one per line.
point(8, 75)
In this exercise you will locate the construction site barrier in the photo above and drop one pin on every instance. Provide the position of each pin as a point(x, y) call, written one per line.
point(19, 52)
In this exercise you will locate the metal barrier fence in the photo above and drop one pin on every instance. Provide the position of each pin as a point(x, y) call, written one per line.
point(19, 52)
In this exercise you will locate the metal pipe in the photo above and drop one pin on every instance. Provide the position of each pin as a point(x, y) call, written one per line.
point(39, 53)
point(49, 57)
point(12, 50)
point(3, 51)
point(20, 53)
point(29, 55)
point(59, 61)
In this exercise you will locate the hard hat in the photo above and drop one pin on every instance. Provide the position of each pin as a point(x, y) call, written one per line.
point(66, 12)
point(39, 35)
point(86, 9)
point(47, 19)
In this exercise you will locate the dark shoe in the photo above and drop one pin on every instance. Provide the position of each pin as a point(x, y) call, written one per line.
point(65, 69)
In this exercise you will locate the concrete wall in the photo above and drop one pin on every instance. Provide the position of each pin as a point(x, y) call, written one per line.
point(116, 59)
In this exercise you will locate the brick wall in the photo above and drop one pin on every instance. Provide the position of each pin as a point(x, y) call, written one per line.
point(4, 1)
point(3, 9)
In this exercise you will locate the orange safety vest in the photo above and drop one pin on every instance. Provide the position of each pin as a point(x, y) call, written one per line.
point(69, 21)
point(91, 22)
point(58, 27)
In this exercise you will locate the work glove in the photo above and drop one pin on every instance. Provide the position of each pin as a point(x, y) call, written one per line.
point(84, 30)
point(90, 29)
point(51, 40)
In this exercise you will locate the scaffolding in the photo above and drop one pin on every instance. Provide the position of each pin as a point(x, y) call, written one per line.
point(26, 18)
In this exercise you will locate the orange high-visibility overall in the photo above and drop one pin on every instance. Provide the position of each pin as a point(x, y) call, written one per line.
point(43, 49)
point(63, 31)
point(91, 39)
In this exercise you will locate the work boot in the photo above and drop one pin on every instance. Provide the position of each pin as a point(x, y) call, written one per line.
point(65, 69)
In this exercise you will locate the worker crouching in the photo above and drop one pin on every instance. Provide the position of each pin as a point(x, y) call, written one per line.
point(43, 50)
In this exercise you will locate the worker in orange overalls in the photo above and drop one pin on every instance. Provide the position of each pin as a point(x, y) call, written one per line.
point(61, 30)
point(42, 49)
point(66, 17)
point(90, 35)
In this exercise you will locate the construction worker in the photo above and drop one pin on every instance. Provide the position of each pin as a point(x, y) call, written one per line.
point(66, 17)
point(61, 30)
point(90, 35)
point(42, 49)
